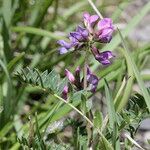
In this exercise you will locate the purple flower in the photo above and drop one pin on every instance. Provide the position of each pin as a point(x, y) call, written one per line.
point(74, 41)
point(90, 21)
point(70, 76)
point(65, 92)
point(92, 80)
point(84, 32)
point(81, 34)
point(103, 57)
point(76, 38)
point(84, 37)
point(105, 30)
point(77, 77)
point(65, 46)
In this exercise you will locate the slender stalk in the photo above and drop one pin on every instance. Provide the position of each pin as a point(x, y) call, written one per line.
point(87, 119)
point(96, 10)
point(89, 129)
point(85, 72)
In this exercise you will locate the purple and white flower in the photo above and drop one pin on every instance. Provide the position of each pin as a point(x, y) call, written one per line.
point(65, 46)
point(102, 57)
point(70, 76)
point(65, 92)
point(90, 21)
point(77, 39)
point(105, 30)
point(95, 30)
point(92, 80)
point(81, 34)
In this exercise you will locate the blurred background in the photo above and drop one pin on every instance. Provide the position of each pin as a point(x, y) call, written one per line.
point(29, 30)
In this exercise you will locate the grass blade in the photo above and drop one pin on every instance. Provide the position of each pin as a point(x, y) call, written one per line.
point(136, 72)
point(36, 31)
point(6, 40)
point(39, 11)
point(112, 116)
point(110, 105)
point(15, 60)
point(134, 142)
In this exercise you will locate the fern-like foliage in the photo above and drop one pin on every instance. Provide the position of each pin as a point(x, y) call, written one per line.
point(47, 80)
point(135, 112)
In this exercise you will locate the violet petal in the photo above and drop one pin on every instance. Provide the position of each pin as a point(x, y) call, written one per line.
point(86, 16)
point(65, 92)
point(93, 19)
point(77, 36)
point(70, 76)
point(105, 30)
point(92, 80)
point(105, 23)
point(74, 41)
point(64, 44)
point(104, 57)
point(62, 50)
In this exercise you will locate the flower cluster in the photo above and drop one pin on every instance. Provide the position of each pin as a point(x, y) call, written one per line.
point(77, 40)
point(77, 81)
point(96, 30)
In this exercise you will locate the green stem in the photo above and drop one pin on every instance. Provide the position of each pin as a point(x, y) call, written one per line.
point(85, 72)
point(69, 104)
point(89, 129)
point(96, 10)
